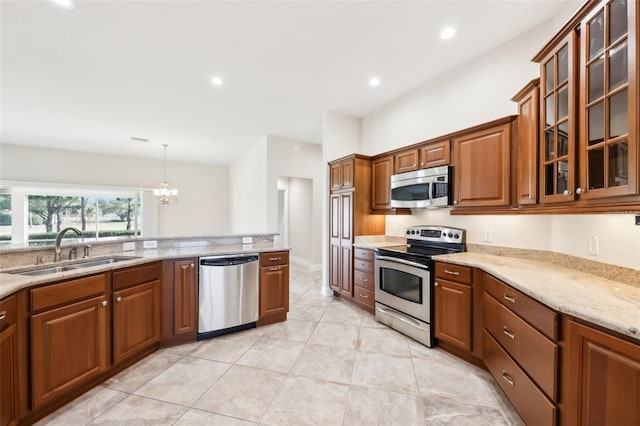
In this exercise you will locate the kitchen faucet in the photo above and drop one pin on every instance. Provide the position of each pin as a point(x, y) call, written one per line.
point(58, 256)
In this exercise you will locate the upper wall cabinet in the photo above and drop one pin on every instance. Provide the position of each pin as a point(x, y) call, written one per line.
point(341, 174)
point(589, 105)
point(406, 161)
point(527, 147)
point(435, 154)
point(608, 100)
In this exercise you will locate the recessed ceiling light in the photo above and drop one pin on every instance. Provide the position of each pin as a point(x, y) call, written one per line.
point(67, 4)
point(447, 33)
point(374, 81)
point(217, 81)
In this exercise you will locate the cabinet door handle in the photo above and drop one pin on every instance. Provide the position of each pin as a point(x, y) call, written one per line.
point(509, 298)
point(364, 296)
point(580, 191)
point(414, 165)
point(119, 299)
point(421, 164)
point(435, 284)
point(193, 265)
point(273, 259)
point(451, 272)
point(507, 378)
point(186, 266)
point(3, 315)
point(509, 334)
point(566, 192)
point(104, 303)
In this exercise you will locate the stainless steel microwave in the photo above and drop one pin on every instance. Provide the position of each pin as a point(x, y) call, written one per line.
point(423, 188)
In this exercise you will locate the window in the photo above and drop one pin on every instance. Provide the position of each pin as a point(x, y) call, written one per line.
point(99, 214)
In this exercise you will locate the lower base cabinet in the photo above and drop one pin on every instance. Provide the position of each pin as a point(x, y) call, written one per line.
point(602, 377)
point(179, 301)
point(274, 287)
point(8, 362)
point(69, 347)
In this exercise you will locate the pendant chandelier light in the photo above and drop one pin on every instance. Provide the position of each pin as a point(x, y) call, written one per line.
point(166, 195)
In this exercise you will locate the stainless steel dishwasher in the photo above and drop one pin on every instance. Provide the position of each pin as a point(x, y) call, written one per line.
point(228, 294)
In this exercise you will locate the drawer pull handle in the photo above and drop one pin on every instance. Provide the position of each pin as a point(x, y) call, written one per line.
point(364, 279)
point(104, 303)
point(274, 268)
point(451, 272)
point(509, 298)
point(364, 265)
point(509, 334)
point(3, 315)
point(186, 266)
point(507, 378)
point(273, 259)
point(119, 299)
point(364, 296)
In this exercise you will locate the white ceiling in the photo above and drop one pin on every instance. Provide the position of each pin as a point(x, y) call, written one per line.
point(91, 78)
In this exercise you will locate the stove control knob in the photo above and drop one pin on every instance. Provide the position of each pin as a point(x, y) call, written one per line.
point(408, 232)
point(450, 235)
point(456, 236)
point(413, 232)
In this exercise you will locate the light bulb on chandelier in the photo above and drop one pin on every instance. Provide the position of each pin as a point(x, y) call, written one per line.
point(165, 194)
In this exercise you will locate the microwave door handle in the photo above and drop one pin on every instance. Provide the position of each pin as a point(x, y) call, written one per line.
point(405, 262)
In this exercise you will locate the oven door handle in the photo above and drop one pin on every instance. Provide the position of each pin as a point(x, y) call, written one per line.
point(405, 262)
point(400, 317)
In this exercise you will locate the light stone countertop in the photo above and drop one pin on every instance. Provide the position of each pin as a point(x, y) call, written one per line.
point(603, 302)
point(10, 283)
point(375, 244)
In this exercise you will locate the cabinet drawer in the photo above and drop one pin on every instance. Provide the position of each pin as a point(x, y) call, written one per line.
point(363, 295)
point(8, 311)
point(363, 265)
point(136, 275)
point(530, 402)
point(536, 354)
point(69, 291)
point(363, 279)
point(364, 254)
point(274, 258)
point(536, 314)
point(453, 272)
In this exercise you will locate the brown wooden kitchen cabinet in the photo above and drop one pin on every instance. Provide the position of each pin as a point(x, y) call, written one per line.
point(8, 361)
point(363, 278)
point(528, 100)
point(406, 161)
point(601, 377)
point(69, 336)
point(453, 313)
point(350, 216)
point(341, 174)
point(274, 287)
point(136, 310)
point(381, 171)
point(482, 166)
point(435, 154)
point(179, 301)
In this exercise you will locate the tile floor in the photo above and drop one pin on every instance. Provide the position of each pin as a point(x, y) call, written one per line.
point(330, 363)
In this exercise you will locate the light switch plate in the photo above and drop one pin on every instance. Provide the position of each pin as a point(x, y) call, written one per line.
point(128, 246)
point(151, 244)
point(594, 245)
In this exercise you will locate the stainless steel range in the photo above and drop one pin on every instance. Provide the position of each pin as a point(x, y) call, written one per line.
point(404, 279)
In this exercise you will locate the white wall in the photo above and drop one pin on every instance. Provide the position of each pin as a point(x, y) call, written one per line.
point(248, 189)
point(300, 219)
point(203, 208)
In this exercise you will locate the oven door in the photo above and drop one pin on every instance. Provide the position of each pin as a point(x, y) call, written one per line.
point(404, 285)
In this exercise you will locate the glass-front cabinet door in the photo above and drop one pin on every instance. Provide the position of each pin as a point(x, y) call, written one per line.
point(608, 101)
point(557, 155)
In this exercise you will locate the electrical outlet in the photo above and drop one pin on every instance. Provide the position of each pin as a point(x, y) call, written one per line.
point(487, 235)
point(128, 246)
point(594, 245)
point(247, 240)
point(151, 244)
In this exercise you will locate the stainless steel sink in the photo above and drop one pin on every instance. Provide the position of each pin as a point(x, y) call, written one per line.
point(81, 264)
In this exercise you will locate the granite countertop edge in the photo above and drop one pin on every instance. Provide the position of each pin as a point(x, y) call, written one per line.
point(603, 302)
point(11, 283)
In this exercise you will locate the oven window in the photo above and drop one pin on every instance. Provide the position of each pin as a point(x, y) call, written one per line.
point(401, 284)
point(419, 191)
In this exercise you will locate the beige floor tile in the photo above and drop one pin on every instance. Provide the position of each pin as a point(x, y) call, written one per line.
point(243, 392)
point(382, 341)
point(368, 320)
point(85, 408)
point(185, 381)
point(325, 362)
point(227, 348)
point(305, 312)
point(452, 381)
point(202, 418)
point(382, 371)
point(315, 299)
point(140, 373)
point(341, 313)
point(183, 349)
point(306, 401)
point(136, 410)
point(272, 354)
point(296, 330)
point(340, 336)
point(440, 410)
point(367, 406)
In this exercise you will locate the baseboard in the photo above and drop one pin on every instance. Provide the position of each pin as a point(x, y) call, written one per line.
point(310, 266)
